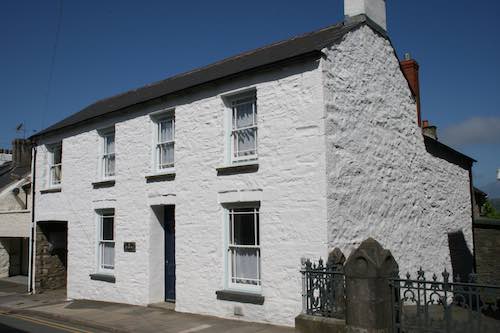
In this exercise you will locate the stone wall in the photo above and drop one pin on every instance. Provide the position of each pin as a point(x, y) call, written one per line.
point(50, 265)
point(382, 182)
point(4, 259)
point(487, 242)
point(289, 183)
point(372, 161)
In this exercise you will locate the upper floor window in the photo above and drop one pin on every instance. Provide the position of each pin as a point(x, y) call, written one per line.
point(108, 154)
point(164, 141)
point(243, 127)
point(55, 164)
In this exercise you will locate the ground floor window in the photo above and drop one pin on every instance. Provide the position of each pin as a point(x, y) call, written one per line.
point(244, 248)
point(106, 246)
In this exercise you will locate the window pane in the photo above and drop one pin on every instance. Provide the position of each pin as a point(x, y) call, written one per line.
point(109, 146)
point(244, 228)
point(244, 115)
point(55, 174)
point(108, 255)
point(57, 155)
point(166, 155)
point(107, 227)
point(109, 165)
point(245, 266)
point(165, 131)
point(245, 141)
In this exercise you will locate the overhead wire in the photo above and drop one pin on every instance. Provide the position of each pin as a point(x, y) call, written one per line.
point(52, 66)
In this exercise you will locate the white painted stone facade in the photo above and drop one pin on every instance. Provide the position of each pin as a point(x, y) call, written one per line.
point(15, 210)
point(318, 188)
point(381, 180)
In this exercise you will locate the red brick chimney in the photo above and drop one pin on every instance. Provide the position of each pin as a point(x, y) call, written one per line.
point(410, 70)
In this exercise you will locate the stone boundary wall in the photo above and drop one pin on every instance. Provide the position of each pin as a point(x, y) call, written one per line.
point(487, 243)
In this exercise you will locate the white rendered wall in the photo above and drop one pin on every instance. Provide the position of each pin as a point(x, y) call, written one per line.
point(15, 219)
point(290, 183)
point(381, 181)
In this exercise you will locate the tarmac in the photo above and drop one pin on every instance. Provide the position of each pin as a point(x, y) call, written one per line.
point(114, 317)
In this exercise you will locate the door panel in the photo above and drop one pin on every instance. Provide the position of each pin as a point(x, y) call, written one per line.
point(169, 227)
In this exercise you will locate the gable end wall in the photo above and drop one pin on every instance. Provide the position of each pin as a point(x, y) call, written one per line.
point(382, 183)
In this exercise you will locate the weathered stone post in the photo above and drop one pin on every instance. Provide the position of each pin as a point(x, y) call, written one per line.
point(336, 260)
point(368, 295)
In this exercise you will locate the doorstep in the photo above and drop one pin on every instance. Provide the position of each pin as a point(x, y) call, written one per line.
point(163, 305)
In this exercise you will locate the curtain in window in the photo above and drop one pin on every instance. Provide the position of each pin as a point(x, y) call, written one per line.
point(245, 127)
point(245, 268)
point(108, 255)
point(109, 155)
point(166, 131)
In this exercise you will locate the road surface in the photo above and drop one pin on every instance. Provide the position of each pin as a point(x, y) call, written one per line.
point(18, 323)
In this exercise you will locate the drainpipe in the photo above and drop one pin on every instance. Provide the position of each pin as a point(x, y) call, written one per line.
point(31, 288)
point(473, 219)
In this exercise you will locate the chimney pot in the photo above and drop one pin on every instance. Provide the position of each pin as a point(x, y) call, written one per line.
point(373, 9)
point(21, 152)
point(429, 130)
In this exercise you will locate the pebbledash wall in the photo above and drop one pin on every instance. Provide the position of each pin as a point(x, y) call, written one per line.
point(367, 175)
point(289, 184)
point(381, 180)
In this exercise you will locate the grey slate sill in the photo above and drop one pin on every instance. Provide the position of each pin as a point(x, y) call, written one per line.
point(160, 177)
point(238, 296)
point(237, 169)
point(103, 277)
point(51, 190)
point(103, 183)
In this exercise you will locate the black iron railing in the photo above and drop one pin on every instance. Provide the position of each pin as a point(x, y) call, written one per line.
point(421, 305)
point(323, 289)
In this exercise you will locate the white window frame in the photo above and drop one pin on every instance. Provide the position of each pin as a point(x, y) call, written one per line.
point(230, 282)
point(106, 155)
point(53, 166)
point(234, 101)
point(101, 214)
point(159, 118)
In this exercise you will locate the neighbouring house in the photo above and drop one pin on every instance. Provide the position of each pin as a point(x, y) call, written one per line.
point(15, 208)
point(208, 188)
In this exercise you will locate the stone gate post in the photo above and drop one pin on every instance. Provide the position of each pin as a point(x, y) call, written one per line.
point(368, 295)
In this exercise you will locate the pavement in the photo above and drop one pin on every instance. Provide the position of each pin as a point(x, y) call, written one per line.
point(120, 318)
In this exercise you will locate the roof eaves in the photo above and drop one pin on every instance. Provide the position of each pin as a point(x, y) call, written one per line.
point(312, 42)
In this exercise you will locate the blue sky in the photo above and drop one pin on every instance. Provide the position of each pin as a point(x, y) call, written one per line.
point(107, 47)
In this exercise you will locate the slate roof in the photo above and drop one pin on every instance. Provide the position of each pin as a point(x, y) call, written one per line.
point(310, 43)
point(10, 173)
point(439, 149)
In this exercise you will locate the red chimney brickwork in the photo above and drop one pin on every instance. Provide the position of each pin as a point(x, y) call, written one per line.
point(410, 71)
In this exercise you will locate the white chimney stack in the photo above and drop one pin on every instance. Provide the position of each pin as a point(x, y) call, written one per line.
point(373, 9)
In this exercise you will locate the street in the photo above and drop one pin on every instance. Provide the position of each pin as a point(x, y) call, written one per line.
point(17, 323)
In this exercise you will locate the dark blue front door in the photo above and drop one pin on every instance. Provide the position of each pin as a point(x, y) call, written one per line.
point(169, 227)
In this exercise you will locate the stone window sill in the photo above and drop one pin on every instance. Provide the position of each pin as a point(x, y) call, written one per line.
point(168, 174)
point(237, 168)
point(103, 183)
point(103, 277)
point(51, 190)
point(238, 296)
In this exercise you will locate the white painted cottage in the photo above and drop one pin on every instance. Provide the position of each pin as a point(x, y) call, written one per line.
point(206, 189)
point(15, 208)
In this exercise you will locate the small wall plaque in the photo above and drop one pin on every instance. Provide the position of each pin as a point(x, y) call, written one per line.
point(129, 246)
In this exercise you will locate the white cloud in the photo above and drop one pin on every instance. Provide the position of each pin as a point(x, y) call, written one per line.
point(477, 130)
